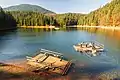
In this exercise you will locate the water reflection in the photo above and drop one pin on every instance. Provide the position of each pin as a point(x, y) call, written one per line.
point(19, 43)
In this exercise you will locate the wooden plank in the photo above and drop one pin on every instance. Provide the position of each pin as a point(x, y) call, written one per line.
point(66, 68)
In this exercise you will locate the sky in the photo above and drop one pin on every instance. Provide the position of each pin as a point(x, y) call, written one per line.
point(60, 6)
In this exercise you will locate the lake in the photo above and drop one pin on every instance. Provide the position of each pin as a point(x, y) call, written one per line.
point(17, 44)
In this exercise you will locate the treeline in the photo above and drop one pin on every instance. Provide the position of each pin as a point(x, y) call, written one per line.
point(24, 18)
point(108, 15)
point(68, 19)
point(6, 20)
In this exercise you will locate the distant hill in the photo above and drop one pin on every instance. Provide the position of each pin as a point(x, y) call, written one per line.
point(28, 7)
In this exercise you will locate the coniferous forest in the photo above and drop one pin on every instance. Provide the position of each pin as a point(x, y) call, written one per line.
point(7, 21)
point(107, 15)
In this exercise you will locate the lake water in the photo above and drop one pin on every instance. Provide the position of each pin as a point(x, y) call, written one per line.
point(17, 44)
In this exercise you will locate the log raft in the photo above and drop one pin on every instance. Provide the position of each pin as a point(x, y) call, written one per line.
point(92, 48)
point(49, 61)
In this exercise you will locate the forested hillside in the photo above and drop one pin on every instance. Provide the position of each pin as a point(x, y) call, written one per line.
point(38, 19)
point(108, 15)
point(6, 20)
point(32, 18)
point(68, 19)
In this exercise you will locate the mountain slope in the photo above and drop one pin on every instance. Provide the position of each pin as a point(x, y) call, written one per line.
point(28, 7)
point(108, 15)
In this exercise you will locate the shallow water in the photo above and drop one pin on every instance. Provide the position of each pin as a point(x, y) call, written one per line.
point(18, 44)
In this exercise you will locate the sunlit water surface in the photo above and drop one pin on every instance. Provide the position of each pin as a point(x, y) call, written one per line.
point(17, 44)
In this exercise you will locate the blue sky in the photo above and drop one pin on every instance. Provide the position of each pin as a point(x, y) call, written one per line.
point(60, 6)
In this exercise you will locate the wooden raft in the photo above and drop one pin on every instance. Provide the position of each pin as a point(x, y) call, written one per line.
point(49, 63)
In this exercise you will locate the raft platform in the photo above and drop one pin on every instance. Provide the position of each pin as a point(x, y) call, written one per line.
point(91, 48)
point(49, 61)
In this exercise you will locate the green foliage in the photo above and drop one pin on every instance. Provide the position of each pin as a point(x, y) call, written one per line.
point(24, 18)
point(32, 18)
point(6, 20)
point(67, 19)
point(108, 15)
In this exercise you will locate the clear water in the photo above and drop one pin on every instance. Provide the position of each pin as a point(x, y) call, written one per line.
point(18, 44)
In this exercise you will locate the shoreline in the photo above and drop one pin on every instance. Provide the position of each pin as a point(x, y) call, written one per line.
point(76, 26)
point(8, 29)
point(17, 72)
point(99, 27)
point(42, 27)
point(13, 71)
